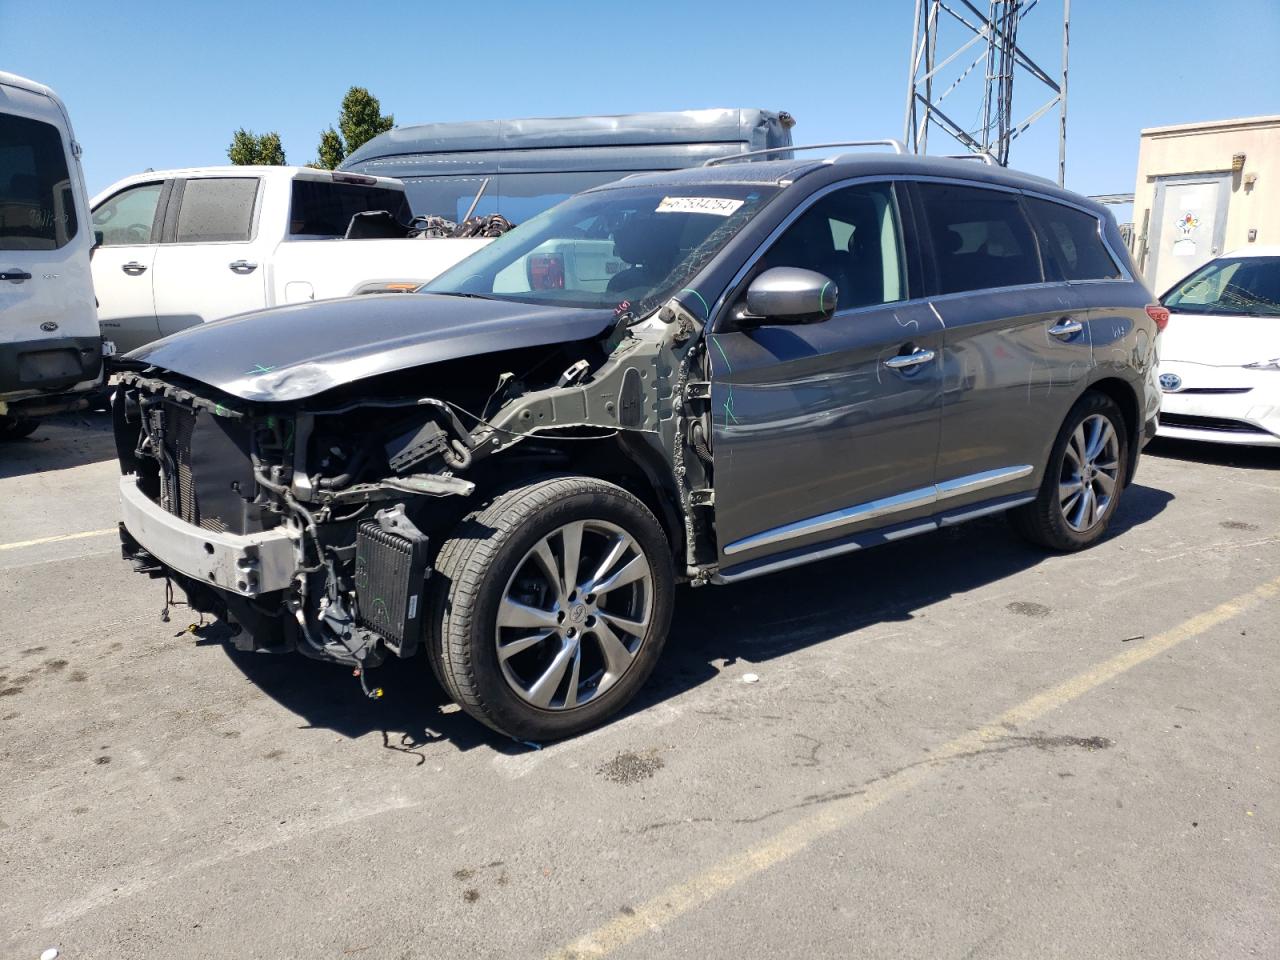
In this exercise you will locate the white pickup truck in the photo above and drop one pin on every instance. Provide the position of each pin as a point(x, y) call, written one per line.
point(176, 248)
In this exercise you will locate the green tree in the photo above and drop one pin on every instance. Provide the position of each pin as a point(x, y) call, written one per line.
point(330, 149)
point(248, 148)
point(360, 120)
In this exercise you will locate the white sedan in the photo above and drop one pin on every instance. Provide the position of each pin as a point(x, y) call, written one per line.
point(1220, 354)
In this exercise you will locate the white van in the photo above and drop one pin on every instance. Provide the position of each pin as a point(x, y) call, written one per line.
point(50, 345)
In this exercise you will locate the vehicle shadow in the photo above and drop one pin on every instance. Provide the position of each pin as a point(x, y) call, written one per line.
point(758, 621)
point(1218, 454)
point(60, 443)
point(763, 619)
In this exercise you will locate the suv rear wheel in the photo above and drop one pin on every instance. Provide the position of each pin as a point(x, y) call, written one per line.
point(551, 606)
point(1082, 484)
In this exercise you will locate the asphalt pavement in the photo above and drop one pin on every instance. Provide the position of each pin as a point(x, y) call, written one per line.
point(955, 746)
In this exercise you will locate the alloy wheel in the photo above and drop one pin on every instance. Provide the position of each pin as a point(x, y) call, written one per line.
point(1090, 472)
point(574, 614)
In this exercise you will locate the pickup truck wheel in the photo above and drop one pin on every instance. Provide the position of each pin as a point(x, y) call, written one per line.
point(15, 428)
point(551, 606)
point(1082, 484)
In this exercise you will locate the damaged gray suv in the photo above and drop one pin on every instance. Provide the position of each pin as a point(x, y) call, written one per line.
point(699, 376)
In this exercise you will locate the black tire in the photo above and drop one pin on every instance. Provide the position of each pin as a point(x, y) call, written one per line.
point(1044, 521)
point(16, 428)
point(482, 558)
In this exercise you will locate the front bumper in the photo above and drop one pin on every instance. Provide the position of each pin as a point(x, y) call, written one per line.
point(1221, 404)
point(247, 565)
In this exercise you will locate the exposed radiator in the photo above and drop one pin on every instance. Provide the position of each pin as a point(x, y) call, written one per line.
point(391, 579)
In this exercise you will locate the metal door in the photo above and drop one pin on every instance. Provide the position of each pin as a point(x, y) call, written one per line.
point(1188, 226)
point(827, 429)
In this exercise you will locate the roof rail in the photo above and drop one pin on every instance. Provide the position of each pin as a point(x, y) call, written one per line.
point(730, 158)
point(986, 158)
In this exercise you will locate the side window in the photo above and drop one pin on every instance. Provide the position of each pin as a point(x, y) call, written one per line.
point(1070, 243)
point(37, 202)
point(851, 236)
point(217, 210)
point(980, 238)
point(127, 217)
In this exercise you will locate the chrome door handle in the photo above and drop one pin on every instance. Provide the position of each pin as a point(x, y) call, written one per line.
point(133, 268)
point(1066, 328)
point(909, 359)
point(242, 266)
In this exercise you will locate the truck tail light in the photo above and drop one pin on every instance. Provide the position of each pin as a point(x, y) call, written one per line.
point(1159, 314)
point(546, 271)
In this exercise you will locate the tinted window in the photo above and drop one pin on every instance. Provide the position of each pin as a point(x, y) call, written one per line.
point(128, 216)
point(37, 202)
point(980, 238)
point(325, 209)
point(852, 237)
point(217, 210)
point(1070, 243)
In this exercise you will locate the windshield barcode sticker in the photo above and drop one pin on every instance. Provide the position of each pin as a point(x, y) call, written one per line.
point(716, 206)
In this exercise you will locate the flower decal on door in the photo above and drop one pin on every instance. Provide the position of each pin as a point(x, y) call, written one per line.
point(1187, 223)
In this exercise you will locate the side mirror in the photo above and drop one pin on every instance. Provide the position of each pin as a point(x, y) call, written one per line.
point(97, 242)
point(791, 295)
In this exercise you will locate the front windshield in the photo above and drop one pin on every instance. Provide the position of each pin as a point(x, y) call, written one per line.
point(632, 245)
point(1246, 286)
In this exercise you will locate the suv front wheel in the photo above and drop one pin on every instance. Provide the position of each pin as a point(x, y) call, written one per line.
point(551, 606)
point(1083, 481)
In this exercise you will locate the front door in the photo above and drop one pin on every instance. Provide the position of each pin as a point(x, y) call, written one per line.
point(211, 264)
point(1188, 226)
point(827, 429)
point(123, 263)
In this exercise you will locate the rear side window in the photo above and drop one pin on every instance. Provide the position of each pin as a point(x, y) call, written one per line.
point(217, 210)
point(128, 216)
point(981, 239)
point(1070, 243)
point(37, 201)
point(320, 209)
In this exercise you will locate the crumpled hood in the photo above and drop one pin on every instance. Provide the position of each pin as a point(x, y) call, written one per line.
point(1220, 340)
point(297, 351)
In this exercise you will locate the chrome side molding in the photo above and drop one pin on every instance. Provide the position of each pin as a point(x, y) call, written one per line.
point(861, 513)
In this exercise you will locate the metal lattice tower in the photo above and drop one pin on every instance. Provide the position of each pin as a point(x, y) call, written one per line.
point(949, 42)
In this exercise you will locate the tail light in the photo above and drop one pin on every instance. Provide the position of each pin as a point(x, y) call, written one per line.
point(546, 271)
point(1159, 314)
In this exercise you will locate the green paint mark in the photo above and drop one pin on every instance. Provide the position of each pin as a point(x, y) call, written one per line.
point(258, 369)
point(727, 406)
point(706, 311)
point(219, 410)
point(822, 295)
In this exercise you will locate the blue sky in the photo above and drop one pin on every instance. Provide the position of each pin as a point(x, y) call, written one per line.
point(165, 84)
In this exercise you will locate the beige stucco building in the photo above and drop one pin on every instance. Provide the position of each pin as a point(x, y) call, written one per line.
point(1204, 189)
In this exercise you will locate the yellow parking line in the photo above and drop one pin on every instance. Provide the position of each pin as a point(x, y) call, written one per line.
point(58, 539)
point(684, 897)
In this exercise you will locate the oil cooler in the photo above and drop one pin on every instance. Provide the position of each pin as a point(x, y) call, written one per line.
point(391, 579)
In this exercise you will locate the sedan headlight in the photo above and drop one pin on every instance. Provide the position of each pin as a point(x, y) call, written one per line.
point(1273, 364)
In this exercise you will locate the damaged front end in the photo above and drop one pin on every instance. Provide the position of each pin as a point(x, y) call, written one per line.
point(308, 525)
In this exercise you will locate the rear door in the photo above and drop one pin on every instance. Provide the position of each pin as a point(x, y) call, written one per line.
point(210, 264)
point(128, 225)
point(46, 292)
point(1016, 347)
point(828, 429)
